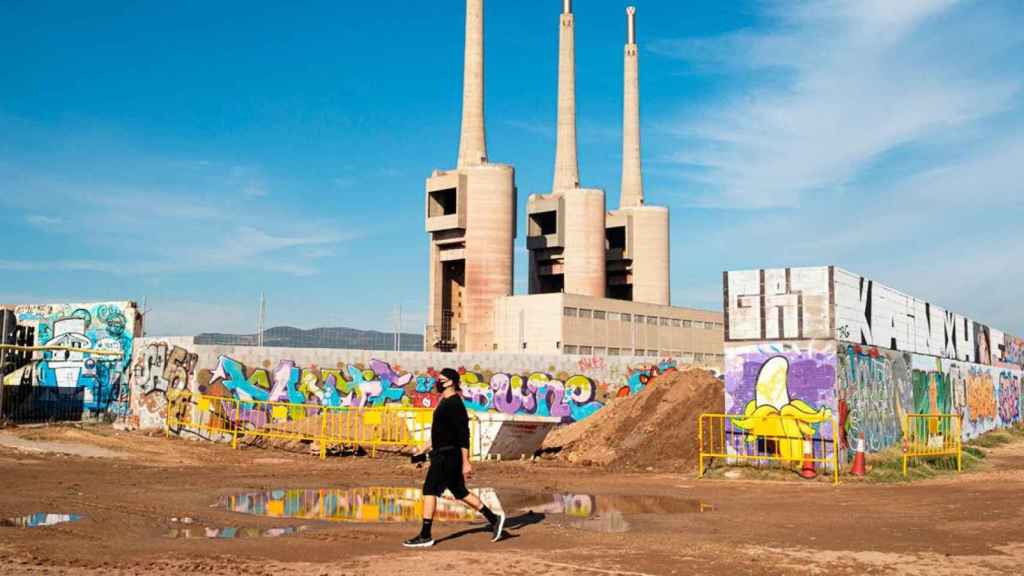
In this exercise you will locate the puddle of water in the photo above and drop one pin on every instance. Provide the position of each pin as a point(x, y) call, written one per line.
point(368, 505)
point(234, 533)
point(39, 519)
point(397, 504)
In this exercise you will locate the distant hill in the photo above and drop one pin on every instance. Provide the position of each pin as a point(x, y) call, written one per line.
point(344, 338)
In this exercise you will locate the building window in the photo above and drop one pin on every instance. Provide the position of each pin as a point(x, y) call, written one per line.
point(613, 351)
point(585, 313)
point(666, 353)
point(652, 353)
point(698, 357)
point(677, 323)
point(665, 321)
point(687, 358)
point(627, 317)
point(600, 351)
point(598, 314)
point(687, 323)
point(570, 349)
point(586, 350)
point(639, 352)
point(652, 320)
point(614, 316)
point(571, 312)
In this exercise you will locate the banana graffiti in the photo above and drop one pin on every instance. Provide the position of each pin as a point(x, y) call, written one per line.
point(773, 414)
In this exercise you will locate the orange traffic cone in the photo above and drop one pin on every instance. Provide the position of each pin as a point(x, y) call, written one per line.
point(858, 468)
point(808, 470)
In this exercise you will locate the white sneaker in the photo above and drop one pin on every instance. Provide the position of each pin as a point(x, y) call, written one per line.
point(498, 527)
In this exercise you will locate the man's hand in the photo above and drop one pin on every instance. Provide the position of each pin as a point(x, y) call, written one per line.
point(467, 469)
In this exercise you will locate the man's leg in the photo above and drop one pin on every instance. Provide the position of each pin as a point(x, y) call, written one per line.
point(497, 521)
point(433, 485)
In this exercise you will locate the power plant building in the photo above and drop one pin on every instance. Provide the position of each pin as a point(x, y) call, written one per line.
point(599, 281)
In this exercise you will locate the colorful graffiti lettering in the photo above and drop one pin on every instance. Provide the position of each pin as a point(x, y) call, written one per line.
point(981, 398)
point(570, 398)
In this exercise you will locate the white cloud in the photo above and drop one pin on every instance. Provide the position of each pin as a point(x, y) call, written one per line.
point(883, 137)
point(838, 85)
point(45, 222)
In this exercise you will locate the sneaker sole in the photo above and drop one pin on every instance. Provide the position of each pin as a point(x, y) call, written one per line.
point(424, 545)
point(501, 528)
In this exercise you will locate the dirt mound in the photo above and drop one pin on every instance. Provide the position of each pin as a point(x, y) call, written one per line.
point(656, 428)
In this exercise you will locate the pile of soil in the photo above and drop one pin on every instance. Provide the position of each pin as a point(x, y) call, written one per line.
point(653, 430)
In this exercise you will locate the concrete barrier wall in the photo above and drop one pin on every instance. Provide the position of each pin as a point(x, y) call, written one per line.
point(570, 388)
point(869, 357)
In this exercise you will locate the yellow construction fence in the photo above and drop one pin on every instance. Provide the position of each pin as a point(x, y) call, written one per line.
point(931, 436)
point(769, 439)
point(231, 419)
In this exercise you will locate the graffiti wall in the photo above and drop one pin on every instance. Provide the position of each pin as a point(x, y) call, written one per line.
point(778, 304)
point(82, 349)
point(560, 386)
point(789, 379)
point(893, 355)
point(876, 389)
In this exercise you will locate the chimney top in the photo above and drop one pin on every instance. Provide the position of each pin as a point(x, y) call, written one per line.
point(631, 20)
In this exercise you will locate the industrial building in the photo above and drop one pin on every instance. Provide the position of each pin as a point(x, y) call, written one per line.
point(599, 281)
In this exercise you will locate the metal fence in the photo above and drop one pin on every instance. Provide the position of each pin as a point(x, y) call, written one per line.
point(772, 439)
point(932, 436)
point(237, 421)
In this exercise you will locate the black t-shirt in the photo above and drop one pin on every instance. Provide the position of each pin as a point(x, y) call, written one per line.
point(450, 428)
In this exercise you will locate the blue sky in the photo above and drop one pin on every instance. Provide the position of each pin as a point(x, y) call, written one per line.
point(197, 153)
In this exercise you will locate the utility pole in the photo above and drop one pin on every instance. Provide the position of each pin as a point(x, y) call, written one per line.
point(261, 318)
point(3, 363)
point(399, 338)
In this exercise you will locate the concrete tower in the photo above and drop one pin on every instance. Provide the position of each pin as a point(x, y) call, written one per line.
point(566, 236)
point(567, 171)
point(470, 216)
point(637, 234)
point(632, 179)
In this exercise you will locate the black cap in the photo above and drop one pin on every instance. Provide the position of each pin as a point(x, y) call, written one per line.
point(451, 375)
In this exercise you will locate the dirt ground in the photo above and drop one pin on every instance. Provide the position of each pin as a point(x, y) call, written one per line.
point(129, 488)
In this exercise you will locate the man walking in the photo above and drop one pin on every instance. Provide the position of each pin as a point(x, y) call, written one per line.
point(449, 461)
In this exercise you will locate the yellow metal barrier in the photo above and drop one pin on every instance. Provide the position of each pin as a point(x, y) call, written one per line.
point(932, 435)
point(392, 426)
point(768, 439)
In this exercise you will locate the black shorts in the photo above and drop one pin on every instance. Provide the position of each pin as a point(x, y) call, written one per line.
point(446, 472)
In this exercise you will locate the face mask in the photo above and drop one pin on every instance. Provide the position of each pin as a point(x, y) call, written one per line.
point(439, 386)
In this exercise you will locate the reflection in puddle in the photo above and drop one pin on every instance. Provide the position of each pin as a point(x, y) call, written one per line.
point(356, 505)
point(391, 504)
point(233, 533)
point(608, 513)
point(40, 519)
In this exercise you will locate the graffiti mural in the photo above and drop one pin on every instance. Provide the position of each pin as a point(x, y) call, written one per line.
point(157, 369)
point(94, 328)
point(1009, 398)
point(162, 366)
point(876, 391)
point(782, 379)
point(980, 412)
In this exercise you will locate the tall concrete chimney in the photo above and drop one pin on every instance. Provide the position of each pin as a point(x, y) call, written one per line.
point(473, 141)
point(471, 220)
point(632, 178)
point(567, 171)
